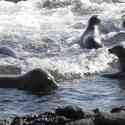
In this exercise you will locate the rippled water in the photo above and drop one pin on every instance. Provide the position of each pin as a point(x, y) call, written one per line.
point(46, 36)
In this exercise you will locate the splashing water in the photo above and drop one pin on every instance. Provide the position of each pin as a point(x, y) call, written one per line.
point(46, 35)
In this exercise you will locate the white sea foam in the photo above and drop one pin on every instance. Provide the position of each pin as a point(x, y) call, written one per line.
point(43, 37)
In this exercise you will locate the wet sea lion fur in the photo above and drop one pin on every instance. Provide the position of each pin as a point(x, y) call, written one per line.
point(91, 37)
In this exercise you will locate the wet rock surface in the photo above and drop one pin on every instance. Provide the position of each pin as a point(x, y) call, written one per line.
point(36, 80)
point(72, 115)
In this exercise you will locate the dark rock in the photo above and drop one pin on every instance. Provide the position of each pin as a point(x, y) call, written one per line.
point(96, 110)
point(72, 112)
point(36, 80)
point(42, 119)
point(118, 109)
point(88, 121)
point(51, 118)
point(110, 119)
point(4, 122)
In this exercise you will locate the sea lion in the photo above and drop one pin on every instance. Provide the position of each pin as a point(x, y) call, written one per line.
point(36, 80)
point(91, 37)
point(119, 51)
point(7, 51)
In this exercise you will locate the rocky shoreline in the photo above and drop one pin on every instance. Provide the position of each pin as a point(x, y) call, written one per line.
point(72, 115)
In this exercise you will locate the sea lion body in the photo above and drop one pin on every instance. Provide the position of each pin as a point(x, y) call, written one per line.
point(91, 37)
point(119, 51)
point(36, 80)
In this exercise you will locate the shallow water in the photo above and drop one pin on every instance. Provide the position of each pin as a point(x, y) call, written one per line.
point(47, 37)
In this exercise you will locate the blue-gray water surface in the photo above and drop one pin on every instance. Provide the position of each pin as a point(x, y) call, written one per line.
point(46, 36)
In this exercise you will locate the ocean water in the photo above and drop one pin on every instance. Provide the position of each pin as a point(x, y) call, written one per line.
point(46, 35)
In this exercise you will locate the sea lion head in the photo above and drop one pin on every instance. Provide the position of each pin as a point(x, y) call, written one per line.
point(118, 50)
point(38, 80)
point(94, 20)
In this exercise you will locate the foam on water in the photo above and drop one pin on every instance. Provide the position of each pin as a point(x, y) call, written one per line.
point(74, 66)
point(24, 26)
